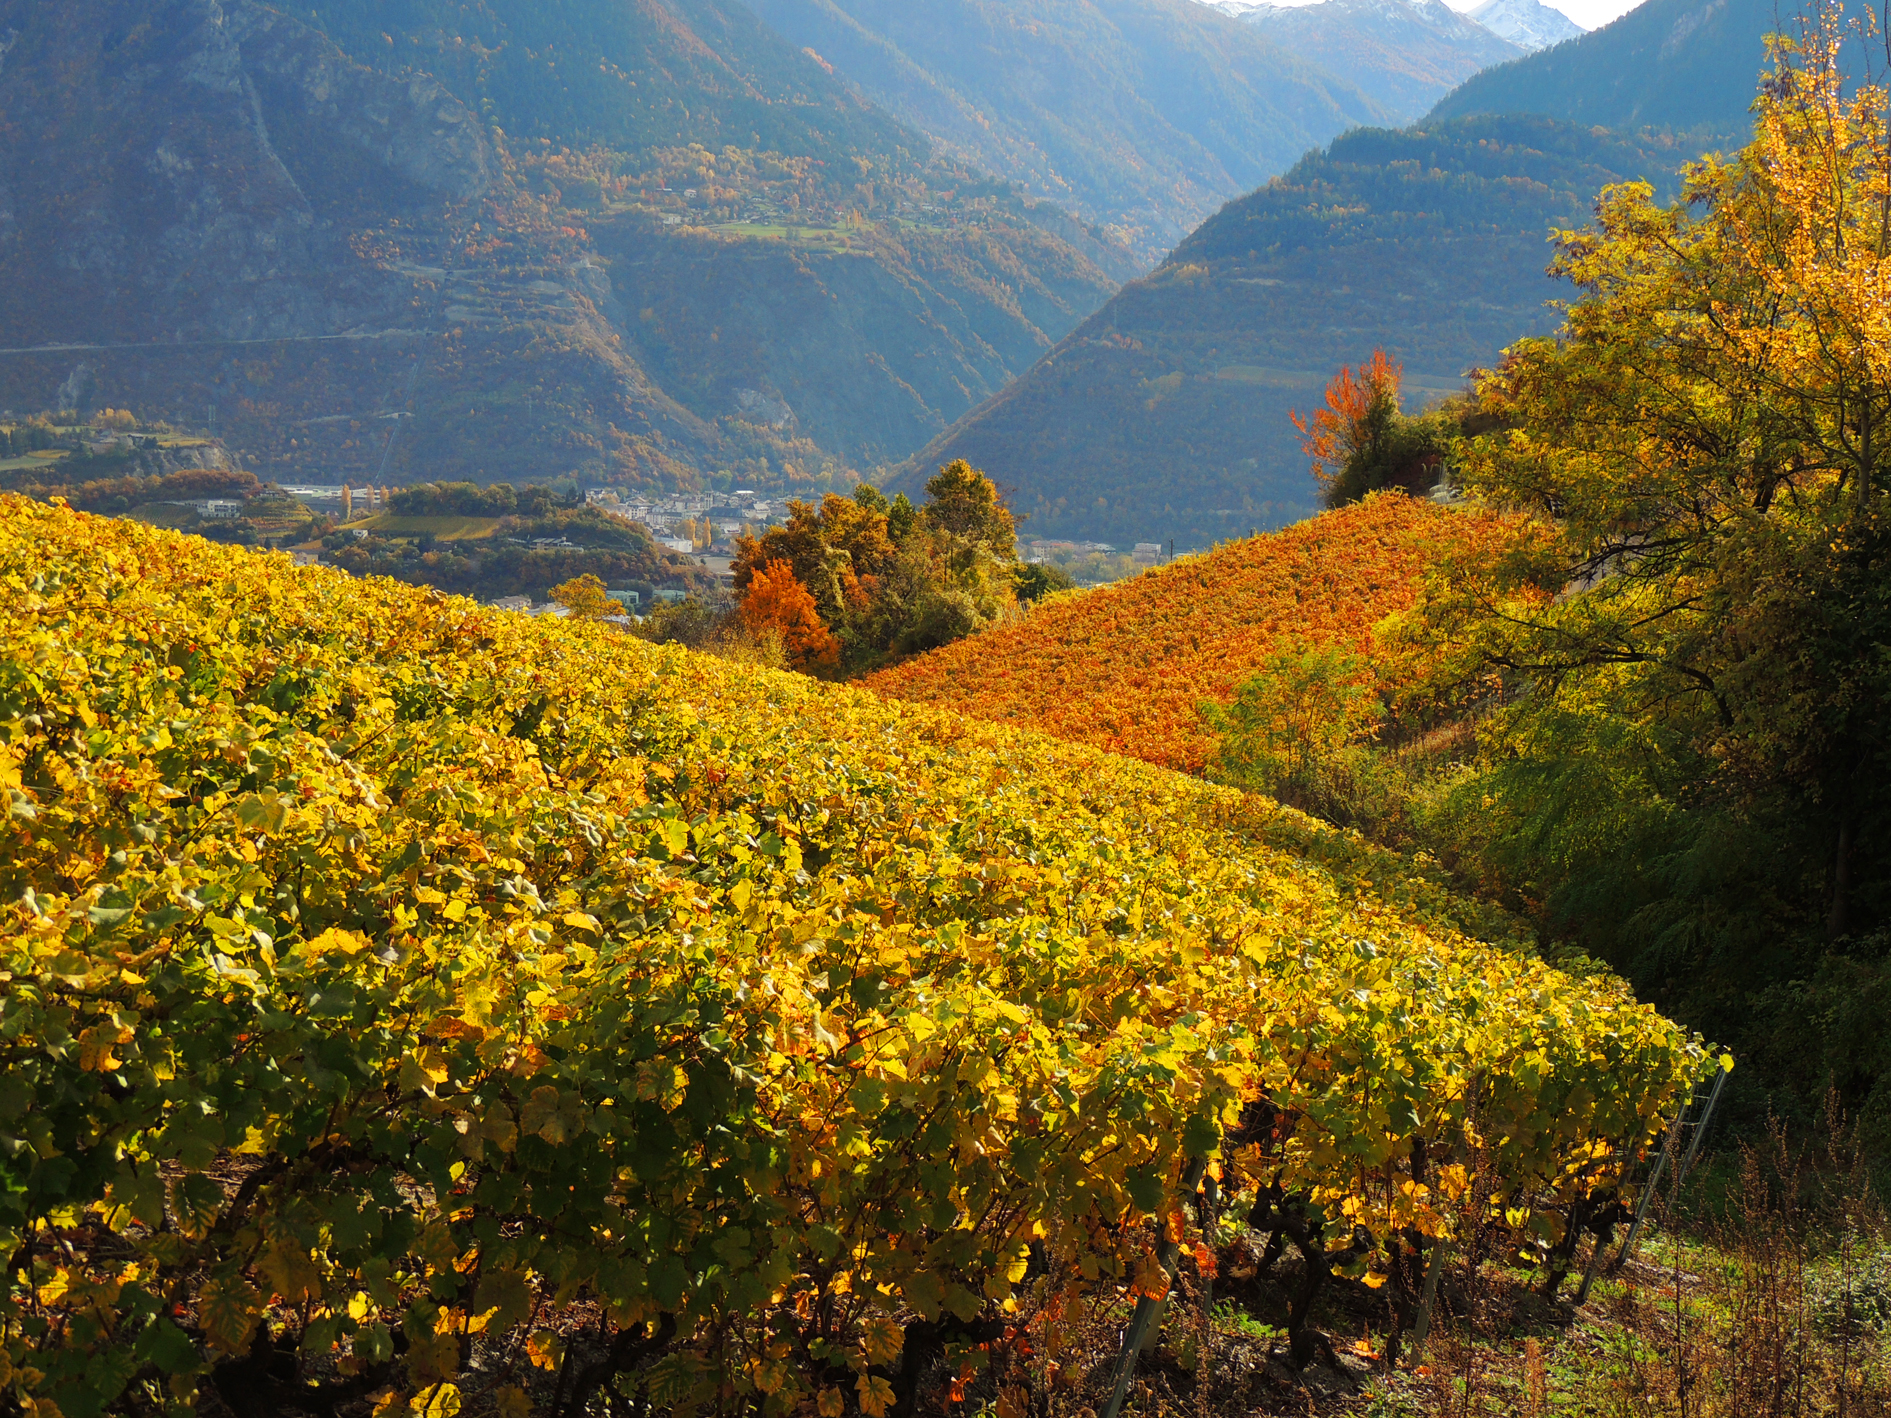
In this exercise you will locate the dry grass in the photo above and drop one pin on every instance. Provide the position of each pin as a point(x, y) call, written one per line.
point(1759, 1289)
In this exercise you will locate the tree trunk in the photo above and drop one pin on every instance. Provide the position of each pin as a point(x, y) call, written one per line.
point(1835, 921)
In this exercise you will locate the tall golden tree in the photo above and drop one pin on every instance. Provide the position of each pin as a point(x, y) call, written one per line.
point(586, 598)
point(1707, 446)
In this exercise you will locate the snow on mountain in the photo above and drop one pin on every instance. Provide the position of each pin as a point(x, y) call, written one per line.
point(1528, 24)
point(1406, 54)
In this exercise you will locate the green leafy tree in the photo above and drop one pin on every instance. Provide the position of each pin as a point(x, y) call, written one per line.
point(962, 502)
point(1038, 579)
point(1690, 766)
point(1291, 726)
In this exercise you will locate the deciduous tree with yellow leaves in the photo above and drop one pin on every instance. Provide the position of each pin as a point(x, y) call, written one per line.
point(1693, 766)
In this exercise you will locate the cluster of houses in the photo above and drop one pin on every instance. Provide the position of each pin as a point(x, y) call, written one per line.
point(632, 602)
point(671, 518)
point(1038, 551)
point(102, 443)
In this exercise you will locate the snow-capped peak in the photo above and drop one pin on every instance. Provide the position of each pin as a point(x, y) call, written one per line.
point(1528, 24)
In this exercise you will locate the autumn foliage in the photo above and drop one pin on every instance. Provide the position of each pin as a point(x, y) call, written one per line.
point(1330, 436)
point(374, 965)
point(586, 597)
point(1125, 667)
point(776, 603)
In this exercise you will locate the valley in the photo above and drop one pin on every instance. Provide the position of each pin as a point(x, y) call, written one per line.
point(947, 709)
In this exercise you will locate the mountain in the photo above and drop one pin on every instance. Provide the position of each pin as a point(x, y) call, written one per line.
point(1403, 54)
point(644, 241)
point(1682, 64)
point(1528, 24)
point(1165, 414)
point(1140, 115)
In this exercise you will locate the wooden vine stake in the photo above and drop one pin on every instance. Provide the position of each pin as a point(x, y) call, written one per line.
point(1421, 1326)
point(1147, 1307)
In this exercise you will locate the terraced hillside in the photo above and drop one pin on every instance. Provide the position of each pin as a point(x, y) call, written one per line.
point(1127, 667)
point(376, 965)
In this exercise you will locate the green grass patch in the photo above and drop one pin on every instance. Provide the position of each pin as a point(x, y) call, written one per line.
point(444, 528)
point(164, 514)
point(43, 458)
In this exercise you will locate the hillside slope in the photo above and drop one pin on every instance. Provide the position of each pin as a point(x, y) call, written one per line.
point(1165, 414)
point(378, 935)
point(1125, 667)
point(1682, 64)
point(1143, 115)
point(1403, 54)
point(378, 242)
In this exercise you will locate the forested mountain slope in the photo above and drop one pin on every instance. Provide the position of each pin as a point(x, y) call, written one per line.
point(1143, 115)
point(1165, 414)
point(1403, 54)
point(1682, 64)
point(389, 242)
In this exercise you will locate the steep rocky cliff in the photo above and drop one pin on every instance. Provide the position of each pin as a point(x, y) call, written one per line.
point(326, 244)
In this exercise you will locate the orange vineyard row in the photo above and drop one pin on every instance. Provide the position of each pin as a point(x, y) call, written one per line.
point(1125, 668)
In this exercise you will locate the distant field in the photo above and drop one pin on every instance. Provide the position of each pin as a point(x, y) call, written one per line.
point(809, 236)
point(164, 514)
point(445, 529)
point(32, 460)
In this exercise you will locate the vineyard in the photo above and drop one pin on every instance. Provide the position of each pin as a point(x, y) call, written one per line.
point(413, 1008)
point(1125, 668)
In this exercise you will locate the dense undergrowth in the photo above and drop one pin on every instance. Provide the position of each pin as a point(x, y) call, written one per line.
point(417, 1008)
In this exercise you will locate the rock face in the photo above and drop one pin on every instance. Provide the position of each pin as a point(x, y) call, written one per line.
point(1142, 115)
point(1405, 54)
point(339, 263)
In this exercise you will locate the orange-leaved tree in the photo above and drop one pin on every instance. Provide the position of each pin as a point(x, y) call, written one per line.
point(776, 603)
point(1361, 442)
point(1359, 404)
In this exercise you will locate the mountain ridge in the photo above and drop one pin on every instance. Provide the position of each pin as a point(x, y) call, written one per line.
point(1141, 115)
point(1529, 24)
point(391, 242)
point(1165, 414)
point(1404, 54)
point(1680, 64)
